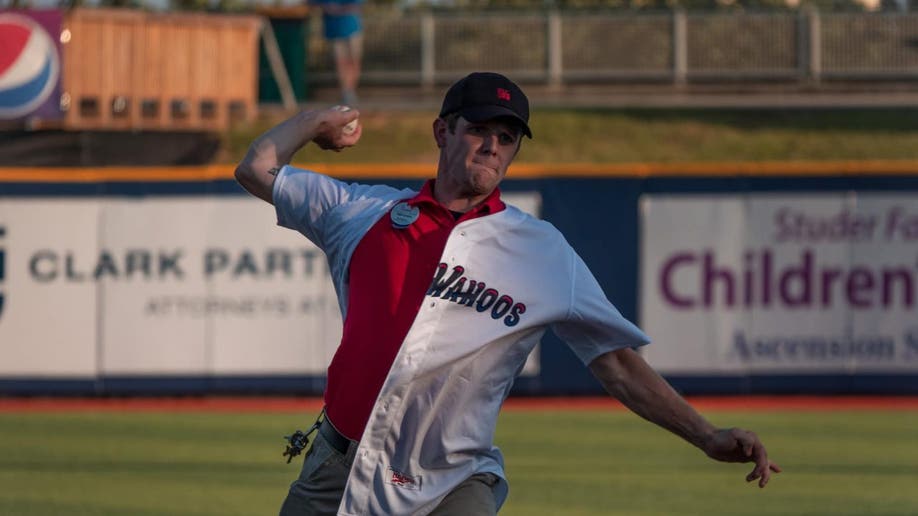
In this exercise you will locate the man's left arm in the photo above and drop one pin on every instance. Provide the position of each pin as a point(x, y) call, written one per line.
point(626, 376)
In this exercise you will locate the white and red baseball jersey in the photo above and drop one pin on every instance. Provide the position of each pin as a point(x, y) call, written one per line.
point(433, 422)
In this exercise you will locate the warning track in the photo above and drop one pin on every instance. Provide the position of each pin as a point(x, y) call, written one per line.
point(293, 404)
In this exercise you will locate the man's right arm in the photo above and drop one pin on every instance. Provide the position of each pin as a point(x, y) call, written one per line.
point(276, 147)
point(627, 377)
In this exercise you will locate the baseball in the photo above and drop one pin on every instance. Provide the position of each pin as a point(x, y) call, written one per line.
point(351, 126)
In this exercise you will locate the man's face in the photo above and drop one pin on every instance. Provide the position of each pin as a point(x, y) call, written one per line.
point(474, 158)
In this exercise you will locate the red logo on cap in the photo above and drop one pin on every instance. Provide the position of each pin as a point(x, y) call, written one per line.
point(503, 94)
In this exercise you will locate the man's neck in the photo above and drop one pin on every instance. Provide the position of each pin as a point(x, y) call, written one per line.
point(454, 200)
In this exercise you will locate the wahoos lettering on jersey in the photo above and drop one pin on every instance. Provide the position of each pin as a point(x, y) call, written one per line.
point(472, 293)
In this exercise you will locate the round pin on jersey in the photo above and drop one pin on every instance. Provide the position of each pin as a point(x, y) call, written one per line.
point(403, 215)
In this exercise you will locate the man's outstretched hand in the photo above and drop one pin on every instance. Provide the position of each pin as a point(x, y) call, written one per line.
point(738, 445)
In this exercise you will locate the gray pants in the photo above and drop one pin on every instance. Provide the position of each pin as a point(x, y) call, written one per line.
point(320, 486)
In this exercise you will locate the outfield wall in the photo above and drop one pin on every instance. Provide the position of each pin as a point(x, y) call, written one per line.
point(750, 278)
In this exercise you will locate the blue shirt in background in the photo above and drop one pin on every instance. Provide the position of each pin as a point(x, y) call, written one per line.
point(340, 18)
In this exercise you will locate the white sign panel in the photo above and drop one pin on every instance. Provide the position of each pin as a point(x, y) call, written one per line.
point(182, 285)
point(48, 324)
point(164, 286)
point(780, 283)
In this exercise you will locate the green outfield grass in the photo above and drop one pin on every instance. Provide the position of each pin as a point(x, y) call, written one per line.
point(638, 136)
point(576, 463)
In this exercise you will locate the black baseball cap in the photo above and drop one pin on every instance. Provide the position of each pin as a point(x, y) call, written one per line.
point(482, 96)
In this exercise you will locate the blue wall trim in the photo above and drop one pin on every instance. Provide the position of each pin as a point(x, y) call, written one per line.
point(306, 385)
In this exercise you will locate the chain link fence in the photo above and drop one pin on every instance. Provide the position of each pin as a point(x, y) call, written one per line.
point(674, 47)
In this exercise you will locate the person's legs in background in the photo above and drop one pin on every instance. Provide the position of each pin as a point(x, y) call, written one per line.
point(348, 56)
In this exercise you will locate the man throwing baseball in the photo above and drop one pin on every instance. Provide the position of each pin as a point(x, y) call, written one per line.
point(444, 292)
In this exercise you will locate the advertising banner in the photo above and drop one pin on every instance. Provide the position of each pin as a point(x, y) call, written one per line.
point(179, 285)
point(48, 322)
point(30, 64)
point(185, 285)
point(780, 283)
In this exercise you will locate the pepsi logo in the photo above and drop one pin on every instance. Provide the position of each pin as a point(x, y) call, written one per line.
point(29, 65)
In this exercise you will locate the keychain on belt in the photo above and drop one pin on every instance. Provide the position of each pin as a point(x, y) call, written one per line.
point(297, 442)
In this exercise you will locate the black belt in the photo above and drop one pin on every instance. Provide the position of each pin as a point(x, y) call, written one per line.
point(333, 437)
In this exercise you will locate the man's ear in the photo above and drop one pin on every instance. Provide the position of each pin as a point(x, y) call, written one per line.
point(440, 128)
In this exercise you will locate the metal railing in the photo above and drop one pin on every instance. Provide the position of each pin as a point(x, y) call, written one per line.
point(675, 47)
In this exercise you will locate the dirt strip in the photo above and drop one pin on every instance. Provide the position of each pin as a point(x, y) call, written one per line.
point(165, 404)
point(726, 403)
point(293, 404)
